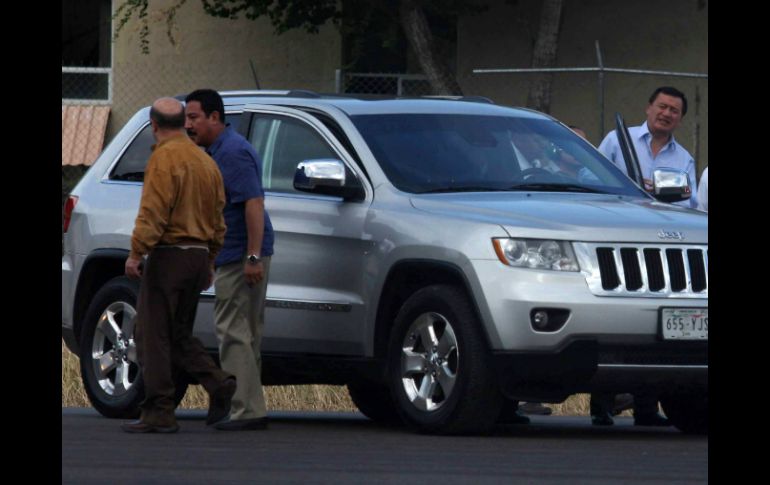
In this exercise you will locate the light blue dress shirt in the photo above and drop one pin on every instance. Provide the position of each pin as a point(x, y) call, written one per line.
point(672, 155)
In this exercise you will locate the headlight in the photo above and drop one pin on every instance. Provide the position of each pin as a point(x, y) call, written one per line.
point(536, 253)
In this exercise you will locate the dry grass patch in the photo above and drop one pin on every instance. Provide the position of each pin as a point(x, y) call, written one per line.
point(72, 393)
point(288, 398)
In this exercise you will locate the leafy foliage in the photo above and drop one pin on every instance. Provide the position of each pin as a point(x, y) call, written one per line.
point(123, 14)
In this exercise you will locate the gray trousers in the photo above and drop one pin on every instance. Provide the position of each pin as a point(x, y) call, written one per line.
point(239, 313)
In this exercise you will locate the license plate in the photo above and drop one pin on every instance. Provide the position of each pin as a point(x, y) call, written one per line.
point(684, 323)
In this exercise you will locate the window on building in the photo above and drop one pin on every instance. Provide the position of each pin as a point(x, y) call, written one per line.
point(86, 50)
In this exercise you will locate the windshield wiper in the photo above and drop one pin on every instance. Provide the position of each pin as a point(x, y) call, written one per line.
point(556, 187)
point(464, 188)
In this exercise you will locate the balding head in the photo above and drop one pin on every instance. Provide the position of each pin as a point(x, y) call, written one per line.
point(167, 114)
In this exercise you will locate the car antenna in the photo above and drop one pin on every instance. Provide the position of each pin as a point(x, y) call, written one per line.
point(254, 73)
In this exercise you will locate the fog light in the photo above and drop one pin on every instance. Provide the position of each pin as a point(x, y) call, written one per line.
point(548, 319)
point(540, 320)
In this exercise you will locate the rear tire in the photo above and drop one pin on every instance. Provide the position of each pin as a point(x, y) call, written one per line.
point(439, 365)
point(109, 369)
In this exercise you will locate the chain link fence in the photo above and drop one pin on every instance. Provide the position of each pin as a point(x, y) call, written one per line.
point(127, 87)
point(120, 91)
point(388, 84)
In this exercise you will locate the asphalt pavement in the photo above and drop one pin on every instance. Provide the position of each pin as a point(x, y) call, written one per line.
point(348, 448)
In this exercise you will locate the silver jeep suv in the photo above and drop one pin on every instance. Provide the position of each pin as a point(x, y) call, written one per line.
point(442, 258)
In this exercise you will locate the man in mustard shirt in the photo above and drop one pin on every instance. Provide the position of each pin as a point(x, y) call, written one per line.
point(180, 229)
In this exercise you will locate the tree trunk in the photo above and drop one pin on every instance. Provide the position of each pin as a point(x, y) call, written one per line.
point(419, 36)
point(544, 55)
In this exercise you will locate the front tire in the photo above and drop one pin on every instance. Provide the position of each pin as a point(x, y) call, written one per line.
point(109, 368)
point(374, 401)
point(439, 365)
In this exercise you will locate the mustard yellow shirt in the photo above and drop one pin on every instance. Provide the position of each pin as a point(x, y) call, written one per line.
point(182, 199)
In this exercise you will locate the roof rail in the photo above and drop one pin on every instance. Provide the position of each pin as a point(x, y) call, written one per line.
point(470, 99)
point(291, 93)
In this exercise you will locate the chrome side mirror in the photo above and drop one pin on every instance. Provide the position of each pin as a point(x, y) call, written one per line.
point(671, 185)
point(328, 176)
point(312, 174)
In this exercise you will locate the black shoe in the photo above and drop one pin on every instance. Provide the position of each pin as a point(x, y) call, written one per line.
point(510, 416)
point(141, 427)
point(518, 418)
point(242, 424)
point(603, 419)
point(220, 401)
point(534, 408)
point(654, 419)
point(622, 403)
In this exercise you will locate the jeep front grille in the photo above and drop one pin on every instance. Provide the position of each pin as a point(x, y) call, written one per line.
point(643, 270)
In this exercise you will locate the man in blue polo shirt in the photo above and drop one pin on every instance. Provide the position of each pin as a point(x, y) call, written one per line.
point(654, 140)
point(243, 264)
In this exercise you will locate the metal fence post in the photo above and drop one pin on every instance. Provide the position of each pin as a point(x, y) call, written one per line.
point(338, 81)
point(601, 90)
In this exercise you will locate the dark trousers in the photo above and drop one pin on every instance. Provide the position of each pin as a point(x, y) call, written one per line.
point(168, 299)
point(644, 404)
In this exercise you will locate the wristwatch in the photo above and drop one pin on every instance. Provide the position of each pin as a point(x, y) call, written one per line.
point(253, 259)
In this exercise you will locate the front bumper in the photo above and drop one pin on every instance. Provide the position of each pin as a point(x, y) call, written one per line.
point(588, 366)
point(508, 296)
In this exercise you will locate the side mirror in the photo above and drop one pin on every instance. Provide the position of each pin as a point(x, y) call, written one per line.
point(670, 185)
point(327, 177)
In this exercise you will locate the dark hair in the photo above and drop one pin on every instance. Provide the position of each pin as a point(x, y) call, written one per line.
point(669, 91)
point(210, 101)
point(167, 121)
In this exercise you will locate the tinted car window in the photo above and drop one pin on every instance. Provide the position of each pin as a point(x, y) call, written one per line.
point(283, 143)
point(134, 160)
point(436, 152)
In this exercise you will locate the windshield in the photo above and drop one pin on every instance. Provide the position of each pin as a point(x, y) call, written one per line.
point(422, 153)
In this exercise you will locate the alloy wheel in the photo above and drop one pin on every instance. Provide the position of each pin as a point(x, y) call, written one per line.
point(429, 361)
point(113, 353)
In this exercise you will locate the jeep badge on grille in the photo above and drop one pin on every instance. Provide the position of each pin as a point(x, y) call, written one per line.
point(671, 235)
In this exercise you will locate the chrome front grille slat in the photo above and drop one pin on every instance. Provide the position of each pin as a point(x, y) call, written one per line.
point(619, 268)
point(645, 270)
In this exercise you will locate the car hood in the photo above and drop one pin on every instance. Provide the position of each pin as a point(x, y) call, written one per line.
point(576, 217)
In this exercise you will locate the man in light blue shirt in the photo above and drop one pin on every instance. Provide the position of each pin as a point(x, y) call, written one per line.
point(654, 141)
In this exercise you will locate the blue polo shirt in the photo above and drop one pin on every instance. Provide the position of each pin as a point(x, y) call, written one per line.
point(241, 170)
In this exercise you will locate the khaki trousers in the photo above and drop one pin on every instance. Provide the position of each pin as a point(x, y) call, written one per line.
point(239, 313)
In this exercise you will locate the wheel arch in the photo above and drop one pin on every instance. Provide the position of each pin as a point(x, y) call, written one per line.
point(406, 277)
point(100, 266)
